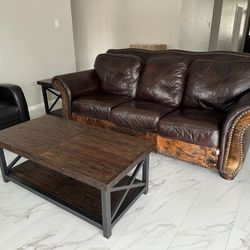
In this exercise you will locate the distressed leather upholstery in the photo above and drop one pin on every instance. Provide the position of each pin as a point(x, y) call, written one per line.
point(242, 106)
point(139, 115)
point(194, 105)
point(97, 106)
point(216, 85)
point(118, 74)
point(76, 85)
point(80, 84)
point(196, 126)
point(163, 80)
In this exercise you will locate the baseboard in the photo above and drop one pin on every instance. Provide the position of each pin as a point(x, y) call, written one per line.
point(39, 109)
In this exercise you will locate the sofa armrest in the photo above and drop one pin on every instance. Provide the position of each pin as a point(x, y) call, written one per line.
point(13, 94)
point(75, 85)
point(234, 138)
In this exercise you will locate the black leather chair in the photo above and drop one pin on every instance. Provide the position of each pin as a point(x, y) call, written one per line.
point(13, 106)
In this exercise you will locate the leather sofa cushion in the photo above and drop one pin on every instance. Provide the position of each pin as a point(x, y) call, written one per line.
point(216, 85)
point(8, 113)
point(163, 80)
point(118, 74)
point(97, 106)
point(139, 115)
point(201, 127)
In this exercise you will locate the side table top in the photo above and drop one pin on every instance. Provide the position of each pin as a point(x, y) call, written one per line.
point(45, 83)
point(95, 156)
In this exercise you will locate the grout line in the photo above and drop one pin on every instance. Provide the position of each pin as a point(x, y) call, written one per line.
point(237, 211)
point(185, 218)
point(155, 196)
point(146, 206)
point(236, 215)
point(140, 212)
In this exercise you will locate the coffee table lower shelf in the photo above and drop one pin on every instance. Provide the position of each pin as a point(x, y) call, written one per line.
point(74, 196)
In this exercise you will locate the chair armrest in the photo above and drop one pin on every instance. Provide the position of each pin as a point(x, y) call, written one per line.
point(75, 85)
point(234, 144)
point(13, 94)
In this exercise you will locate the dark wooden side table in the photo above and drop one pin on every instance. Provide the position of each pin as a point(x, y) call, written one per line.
point(47, 87)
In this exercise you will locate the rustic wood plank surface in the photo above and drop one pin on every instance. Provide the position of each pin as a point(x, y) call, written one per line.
point(94, 156)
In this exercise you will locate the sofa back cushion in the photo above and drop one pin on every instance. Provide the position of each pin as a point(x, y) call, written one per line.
point(118, 74)
point(216, 85)
point(190, 55)
point(163, 80)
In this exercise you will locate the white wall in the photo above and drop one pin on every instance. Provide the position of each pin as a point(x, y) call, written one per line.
point(155, 21)
point(117, 23)
point(31, 48)
point(196, 24)
point(90, 30)
point(103, 24)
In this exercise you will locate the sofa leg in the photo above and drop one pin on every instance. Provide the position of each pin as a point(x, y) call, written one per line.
point(226, 177)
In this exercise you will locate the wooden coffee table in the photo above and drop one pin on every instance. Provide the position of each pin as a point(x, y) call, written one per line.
point(84, 170)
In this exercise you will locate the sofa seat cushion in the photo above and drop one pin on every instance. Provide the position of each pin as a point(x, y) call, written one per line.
point(201, 127)
point(8, 113)
point(163, 80)
point(118, 74)
point(97, 106)
point(139, 115)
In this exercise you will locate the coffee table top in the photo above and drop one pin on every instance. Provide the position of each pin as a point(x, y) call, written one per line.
point(95, 156)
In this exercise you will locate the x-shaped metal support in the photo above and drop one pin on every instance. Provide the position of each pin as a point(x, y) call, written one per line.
point(109, 215)
point(6, 168)
point(45, 98)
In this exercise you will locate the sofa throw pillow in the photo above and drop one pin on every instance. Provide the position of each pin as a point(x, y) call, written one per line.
point(163, 80)
point(216, 85)
point(118, 74)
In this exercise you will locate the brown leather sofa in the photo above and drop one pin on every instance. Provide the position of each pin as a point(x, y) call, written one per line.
point(194, 106)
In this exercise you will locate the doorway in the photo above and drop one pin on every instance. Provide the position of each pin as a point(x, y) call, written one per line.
point(247, 41)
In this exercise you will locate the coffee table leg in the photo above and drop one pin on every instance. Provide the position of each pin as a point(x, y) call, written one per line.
point(106, 214)
point(145, 171)
point(3, 165)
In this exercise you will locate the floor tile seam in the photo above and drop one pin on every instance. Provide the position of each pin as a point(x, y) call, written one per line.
point(27, 225)
point(236, 214)
point(89, 238)
point(196, 200)
point(140, 213)
point(184, 219)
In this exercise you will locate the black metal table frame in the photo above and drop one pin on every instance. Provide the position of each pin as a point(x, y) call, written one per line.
point(48, 108)
point(109, 216)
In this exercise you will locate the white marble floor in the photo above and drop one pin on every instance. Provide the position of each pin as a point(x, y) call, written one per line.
point(187, 207)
